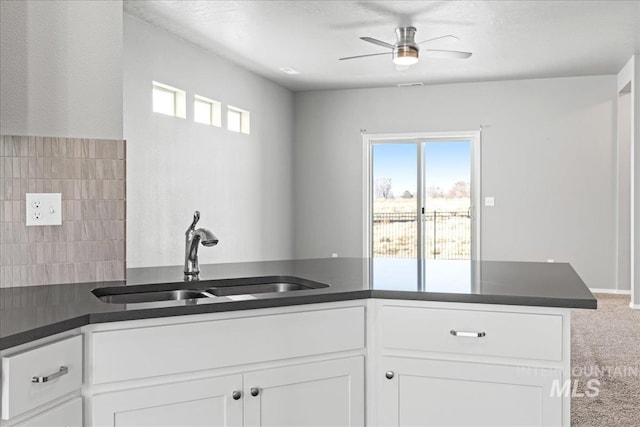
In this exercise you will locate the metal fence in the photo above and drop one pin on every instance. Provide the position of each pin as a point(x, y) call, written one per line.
point(447, 235)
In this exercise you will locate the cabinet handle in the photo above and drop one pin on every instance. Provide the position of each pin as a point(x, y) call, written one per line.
point(63, 371)
point(467, 334)
point(255, 391)
point(389, 375)
point(236, 395)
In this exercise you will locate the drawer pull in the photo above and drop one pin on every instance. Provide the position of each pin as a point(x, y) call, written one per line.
point(467, 334)
point(63, 371)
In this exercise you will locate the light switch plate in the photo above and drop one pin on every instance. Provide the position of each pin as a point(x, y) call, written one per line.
point(44, 209)
point(489, 201)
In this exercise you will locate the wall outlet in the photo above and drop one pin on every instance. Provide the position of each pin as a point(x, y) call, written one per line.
point(44, 209)
point(489, 201)
point(334, 255)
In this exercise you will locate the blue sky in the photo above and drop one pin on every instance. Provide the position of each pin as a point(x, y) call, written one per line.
point(446, 163)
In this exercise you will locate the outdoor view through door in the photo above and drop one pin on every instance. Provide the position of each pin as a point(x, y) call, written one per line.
point(430, 180)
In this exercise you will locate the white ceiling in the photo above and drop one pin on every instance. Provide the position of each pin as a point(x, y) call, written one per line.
point(509, 39)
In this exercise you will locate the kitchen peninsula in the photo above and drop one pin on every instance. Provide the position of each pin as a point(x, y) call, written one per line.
point(490, 336)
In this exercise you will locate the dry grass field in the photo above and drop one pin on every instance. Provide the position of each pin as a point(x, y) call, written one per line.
point(447, 231)
point(410, 205)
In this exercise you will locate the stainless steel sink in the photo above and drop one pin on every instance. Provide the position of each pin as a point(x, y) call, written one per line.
point(168, 292)
point(259, 288)
point(138, 297)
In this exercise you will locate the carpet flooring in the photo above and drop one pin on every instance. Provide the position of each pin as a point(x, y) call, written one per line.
point(605, 348)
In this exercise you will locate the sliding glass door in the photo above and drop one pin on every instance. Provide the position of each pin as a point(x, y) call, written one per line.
point(421, 199)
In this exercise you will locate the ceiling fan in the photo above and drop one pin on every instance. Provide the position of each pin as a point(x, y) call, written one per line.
point(405, 51)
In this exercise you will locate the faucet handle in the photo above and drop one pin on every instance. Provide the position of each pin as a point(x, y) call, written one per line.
point(196, 218)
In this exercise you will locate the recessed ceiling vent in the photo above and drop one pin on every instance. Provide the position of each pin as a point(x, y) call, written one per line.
point(410, 84)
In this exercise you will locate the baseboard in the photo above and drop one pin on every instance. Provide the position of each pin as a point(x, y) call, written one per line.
point(634, 306)
point(610, 291)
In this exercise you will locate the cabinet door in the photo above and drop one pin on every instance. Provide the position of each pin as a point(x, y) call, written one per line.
point(444, 393)
point(314, 394)
point(68, 414)
point(206, 402)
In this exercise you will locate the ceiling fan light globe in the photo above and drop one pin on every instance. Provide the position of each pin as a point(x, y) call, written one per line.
point(405, 60)
point(405, 55)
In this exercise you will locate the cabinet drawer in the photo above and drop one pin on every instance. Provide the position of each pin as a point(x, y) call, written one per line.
point(512, 335)
point(170, 349)
point(59, 363)
point(68, 414)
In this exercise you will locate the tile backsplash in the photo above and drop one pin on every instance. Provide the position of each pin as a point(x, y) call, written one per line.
point(90, 243)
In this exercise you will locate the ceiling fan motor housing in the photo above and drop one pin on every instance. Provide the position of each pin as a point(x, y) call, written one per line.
point(406, 50)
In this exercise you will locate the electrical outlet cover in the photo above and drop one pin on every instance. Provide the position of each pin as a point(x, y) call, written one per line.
point(44, 209)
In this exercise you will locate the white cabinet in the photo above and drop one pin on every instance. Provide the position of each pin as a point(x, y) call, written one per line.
point(290, 366)
point(68, 414)
point(39, 375)
point(447, 364)
point(329, 393)
point(205, 402)
point(418, 392)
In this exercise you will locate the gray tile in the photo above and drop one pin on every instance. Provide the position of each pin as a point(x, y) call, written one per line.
point(88, 170)
point(67, 210)
point(19, 232)
point(67, 189)
point(24, 167)
point(56, 185)
point(17, 188)
point(57, 168)
point(42, 255)
point(8, 166)
point(69, 148)
point(31, 141)
point(88, 210)
point(77, 168)
point(6, 276)
point(88, 230)
point(47, 143)
point(8, 211)
point(32, 253)
point(15, 167)
point(120, 149)
point(35, 235)
point(77, 210)
point(39, 147)
point(46, 168)
point(77, 148)
point(99, 230)
point(15, 208)
point(32, 168)
point(121, 170)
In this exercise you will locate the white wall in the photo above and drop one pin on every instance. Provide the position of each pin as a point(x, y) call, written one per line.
point(240, 183)
point(61, 68)
point(548, 158)
point(630, 73)
point(623, 166)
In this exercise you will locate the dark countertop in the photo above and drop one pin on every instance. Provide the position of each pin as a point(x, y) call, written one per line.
point(33, 312)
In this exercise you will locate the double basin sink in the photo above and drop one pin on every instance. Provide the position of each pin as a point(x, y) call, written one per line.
point(204, 289)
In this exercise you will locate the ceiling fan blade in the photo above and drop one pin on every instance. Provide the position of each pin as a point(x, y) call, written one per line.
point(364, 56)
point(378, 42)
point(448, 36)
point(453, 54)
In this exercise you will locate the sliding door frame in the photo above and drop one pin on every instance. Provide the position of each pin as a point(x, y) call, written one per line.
point(368, 140)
